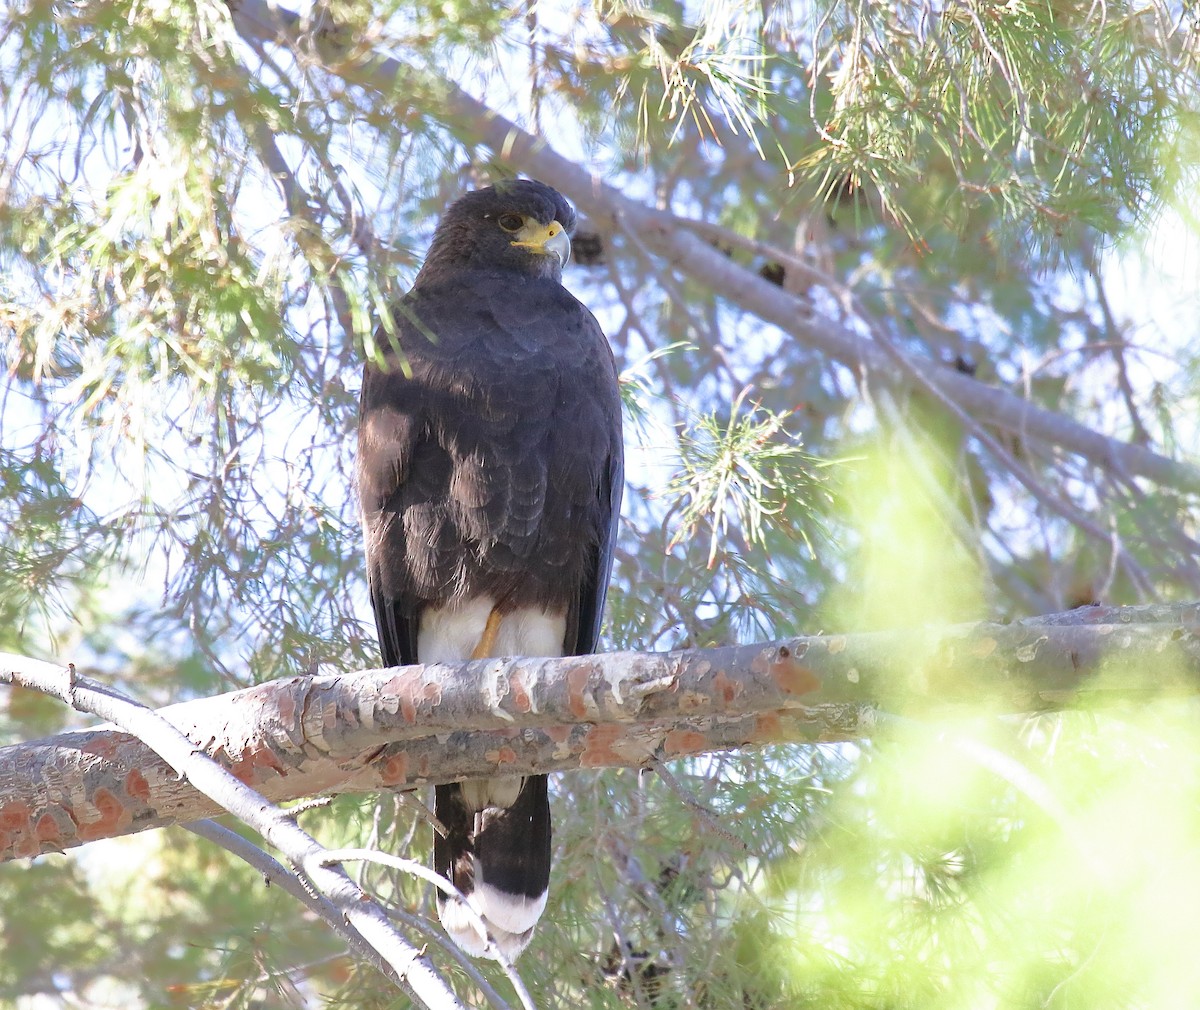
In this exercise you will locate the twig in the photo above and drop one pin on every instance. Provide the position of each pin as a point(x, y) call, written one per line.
point(276, 873)
point(420, 924)
point(689, 799)
point(304, 806)
point(423, 811)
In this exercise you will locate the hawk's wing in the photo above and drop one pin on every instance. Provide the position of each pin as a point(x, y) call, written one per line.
point(594, 589)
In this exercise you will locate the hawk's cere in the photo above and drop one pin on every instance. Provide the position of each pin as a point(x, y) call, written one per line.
point(490, 472)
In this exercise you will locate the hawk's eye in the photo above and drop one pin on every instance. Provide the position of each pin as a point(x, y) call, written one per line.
point(510, 222)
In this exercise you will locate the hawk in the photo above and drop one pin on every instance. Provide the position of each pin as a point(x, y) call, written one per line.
point(490, 472)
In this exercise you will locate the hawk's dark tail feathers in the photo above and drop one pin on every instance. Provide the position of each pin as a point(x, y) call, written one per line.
point(497, 853)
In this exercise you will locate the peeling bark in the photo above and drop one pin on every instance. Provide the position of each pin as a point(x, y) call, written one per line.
point(401, 728)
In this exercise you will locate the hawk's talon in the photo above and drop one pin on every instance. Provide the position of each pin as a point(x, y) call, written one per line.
point(487, 641)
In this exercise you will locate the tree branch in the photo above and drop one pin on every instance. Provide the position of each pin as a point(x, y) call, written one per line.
point(274, 872)
point(401, 728)
point(409, 967)
point(673, 239)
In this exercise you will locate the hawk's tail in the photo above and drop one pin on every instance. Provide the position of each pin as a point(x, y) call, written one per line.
point(497, 853)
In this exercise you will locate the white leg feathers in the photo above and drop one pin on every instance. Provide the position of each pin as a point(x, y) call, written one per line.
point(449, 634)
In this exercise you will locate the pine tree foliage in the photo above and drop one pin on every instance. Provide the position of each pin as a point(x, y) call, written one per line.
point(198, 232)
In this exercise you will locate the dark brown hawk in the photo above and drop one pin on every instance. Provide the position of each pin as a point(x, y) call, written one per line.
point(490, 473)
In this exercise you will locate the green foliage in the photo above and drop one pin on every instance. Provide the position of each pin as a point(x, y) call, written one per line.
point(168, 926)
point(744, 473)
point(913, 563)
point(197, 235)
point(1051, 116)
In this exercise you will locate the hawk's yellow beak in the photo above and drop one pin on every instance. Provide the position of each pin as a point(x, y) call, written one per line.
point(549, 240)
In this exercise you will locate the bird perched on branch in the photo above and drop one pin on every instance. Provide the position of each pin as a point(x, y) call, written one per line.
point(490, 475)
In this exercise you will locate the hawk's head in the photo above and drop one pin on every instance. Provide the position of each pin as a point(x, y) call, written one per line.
point(518, 224)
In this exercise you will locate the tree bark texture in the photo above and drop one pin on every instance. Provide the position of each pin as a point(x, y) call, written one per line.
point(401, 728)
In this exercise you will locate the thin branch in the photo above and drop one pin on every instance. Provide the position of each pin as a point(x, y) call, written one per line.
point(423, 872)
point(689, 799)
point(1118, 345)
point(274, 872)
point(414, 974)
point(297, 200)
point(419, 924)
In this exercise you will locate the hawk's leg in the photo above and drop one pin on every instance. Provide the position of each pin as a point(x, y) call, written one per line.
point(496, 848)
point(487, 641)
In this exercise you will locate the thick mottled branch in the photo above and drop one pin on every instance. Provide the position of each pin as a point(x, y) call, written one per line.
point(389, 729)
point(668, 236)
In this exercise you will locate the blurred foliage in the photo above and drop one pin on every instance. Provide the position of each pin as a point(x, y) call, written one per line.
point(1043, 863)
point(906, 533)
point(196, 234)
